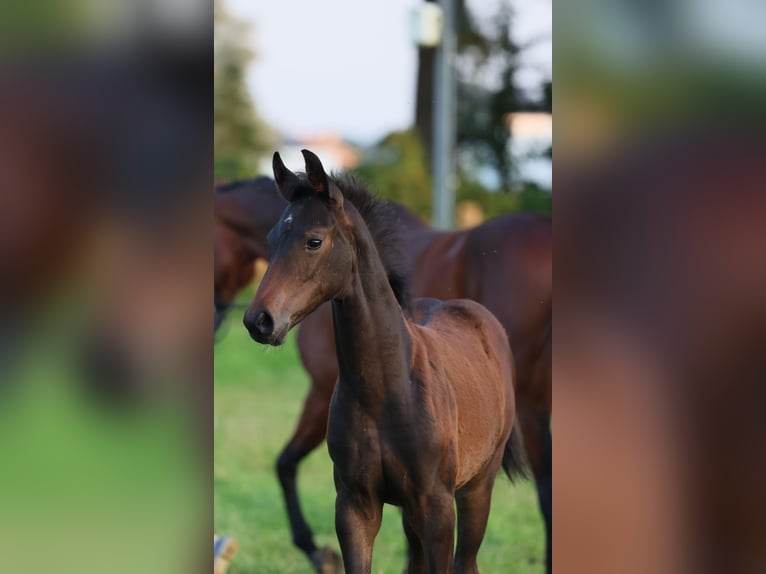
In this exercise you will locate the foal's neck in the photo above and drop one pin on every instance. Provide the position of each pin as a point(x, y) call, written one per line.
point(371, 337)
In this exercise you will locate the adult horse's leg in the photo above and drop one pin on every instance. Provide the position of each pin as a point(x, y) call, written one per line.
point(535, 424)
point(357, 522)
point(473, 503)
point(316, 346)
point(310, 432)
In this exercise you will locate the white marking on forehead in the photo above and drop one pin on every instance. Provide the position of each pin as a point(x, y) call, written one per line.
point(289, 219)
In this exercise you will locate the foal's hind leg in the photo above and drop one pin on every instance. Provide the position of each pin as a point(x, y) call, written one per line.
point(473, 503)
point(310, 432)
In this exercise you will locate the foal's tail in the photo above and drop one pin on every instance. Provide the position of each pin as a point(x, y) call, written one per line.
point(515, 461)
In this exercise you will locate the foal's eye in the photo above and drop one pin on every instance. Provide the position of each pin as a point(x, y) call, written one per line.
point(313, 244)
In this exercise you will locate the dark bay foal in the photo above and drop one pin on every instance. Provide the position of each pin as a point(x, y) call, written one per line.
point(423, 413)
point(504, 264)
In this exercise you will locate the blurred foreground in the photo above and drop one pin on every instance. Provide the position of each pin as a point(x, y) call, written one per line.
point(660, 288)
point(105, 259)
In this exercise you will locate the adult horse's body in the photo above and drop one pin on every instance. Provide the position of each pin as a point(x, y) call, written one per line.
point(422, 414)
point(244, 212)
point(505, 264)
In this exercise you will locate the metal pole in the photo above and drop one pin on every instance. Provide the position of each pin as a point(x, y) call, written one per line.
point(444, 122)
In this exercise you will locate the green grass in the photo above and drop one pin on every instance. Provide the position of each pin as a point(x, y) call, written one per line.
point(258, 395)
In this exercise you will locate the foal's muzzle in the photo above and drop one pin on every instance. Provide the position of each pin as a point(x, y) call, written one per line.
point(261, 327)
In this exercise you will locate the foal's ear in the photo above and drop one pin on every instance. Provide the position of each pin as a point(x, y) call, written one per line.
point(315, 172)
point(318, 178)
point(285, 179)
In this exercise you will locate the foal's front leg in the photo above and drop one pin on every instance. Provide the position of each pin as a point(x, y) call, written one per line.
point(433, 518)
point(416, 562)
point(357, 521)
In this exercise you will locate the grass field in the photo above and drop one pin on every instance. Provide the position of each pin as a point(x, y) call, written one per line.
point(258, 395)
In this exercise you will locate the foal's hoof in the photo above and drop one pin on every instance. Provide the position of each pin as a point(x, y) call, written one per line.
point(327, 561)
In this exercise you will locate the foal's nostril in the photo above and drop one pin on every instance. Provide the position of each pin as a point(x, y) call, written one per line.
point(260, 325)
point(264, 323)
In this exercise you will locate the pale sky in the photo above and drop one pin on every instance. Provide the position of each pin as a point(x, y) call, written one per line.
point(348, 66)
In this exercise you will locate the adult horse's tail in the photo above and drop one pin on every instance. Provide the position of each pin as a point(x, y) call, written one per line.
point(515, 461)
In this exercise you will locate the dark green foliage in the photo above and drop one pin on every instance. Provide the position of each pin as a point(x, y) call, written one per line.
point(483, 133)
point(547, 106)
point(487, 61)
point(240, 137)
point(396, 169)
point(547, 103)
point(534, 198)
point(494, 203)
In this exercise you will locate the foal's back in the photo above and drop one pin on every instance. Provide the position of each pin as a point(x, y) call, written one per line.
point(462, 351)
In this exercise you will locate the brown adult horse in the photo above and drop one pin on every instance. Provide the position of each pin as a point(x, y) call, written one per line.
point(423, 412)
point(505, 264)
point(244, 212)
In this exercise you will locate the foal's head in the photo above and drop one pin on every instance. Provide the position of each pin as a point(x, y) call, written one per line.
point(312, 255)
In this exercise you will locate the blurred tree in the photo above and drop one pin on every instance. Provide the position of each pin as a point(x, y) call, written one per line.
point(396, 169)
point(398, 166)
point(529, 198)
point(240, 137)
point(487, 62)
point(424, 98)
point(492, 203)
point(534, 198)
point(469, 38)
point(547, 103)
point(486, 66)
point(547, 106)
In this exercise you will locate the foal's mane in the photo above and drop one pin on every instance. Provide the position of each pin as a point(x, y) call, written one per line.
point(383, 220)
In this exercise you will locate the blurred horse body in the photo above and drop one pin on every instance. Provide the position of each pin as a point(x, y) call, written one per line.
point(244, 211)
point(505, 264)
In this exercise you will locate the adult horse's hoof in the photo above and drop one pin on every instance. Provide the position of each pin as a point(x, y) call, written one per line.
point(327, 561)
